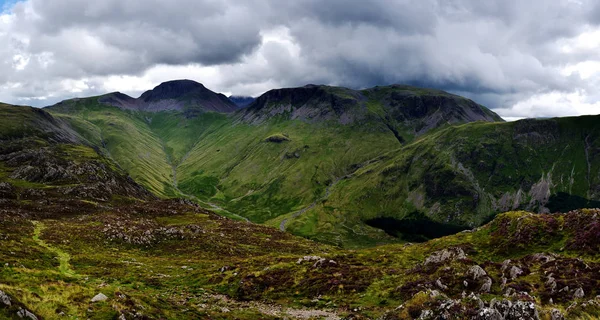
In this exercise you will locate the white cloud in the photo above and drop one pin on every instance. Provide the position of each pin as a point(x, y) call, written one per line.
point(522, 58)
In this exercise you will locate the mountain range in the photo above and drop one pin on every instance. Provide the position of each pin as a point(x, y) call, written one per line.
point(409, 203)
point(340, 165)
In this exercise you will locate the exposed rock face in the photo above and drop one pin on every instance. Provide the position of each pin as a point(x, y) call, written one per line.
point(421, 109)
point(515, 272)
point(51, 165)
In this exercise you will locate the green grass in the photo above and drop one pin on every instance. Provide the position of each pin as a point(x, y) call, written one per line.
point(457, 174)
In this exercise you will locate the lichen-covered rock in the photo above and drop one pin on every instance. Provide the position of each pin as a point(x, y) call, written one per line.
point(487, 285)
point(579, 293)
point(5, 299)
point(501, 305)
point(476, 272)
point(515, 272)
point(449, 254)
point(489, 314)
point(26, 314)
point(555, 314)
point(99, 297)
point(522, 310)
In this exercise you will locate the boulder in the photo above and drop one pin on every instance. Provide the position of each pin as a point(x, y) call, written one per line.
point(4, 299)
point(487, 285)
point(476, 272)
point(26, 314)
point(515, 272)
point(449, 254)
point(99, 297)
point(489, 314)
point(579, 293)
point(522, 310)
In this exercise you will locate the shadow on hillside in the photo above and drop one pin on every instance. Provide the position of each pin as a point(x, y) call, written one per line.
point(415, 227)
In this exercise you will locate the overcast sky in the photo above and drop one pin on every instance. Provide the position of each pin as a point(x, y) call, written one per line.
point(534, 58)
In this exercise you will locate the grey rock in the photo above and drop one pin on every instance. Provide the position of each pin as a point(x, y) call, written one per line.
point(487, 285)
point(476, 299)
point(579, 293)
point(99, 297)
point(515, 272)
point(26, 314)
point(476, 272)
point(522, 310)
point(5, 299)
point(501, 305)
point(489, 314)
point(505, 264)
point(440, 285)
point(555, 314)
point(551, 283)
point(449, 254)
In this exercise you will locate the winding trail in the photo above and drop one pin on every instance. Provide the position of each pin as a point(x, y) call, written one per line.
point(63, 258)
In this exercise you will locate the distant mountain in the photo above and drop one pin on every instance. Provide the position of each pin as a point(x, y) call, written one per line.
point(180, 95)
point(340, 165)
point(403, 109)
point(242, 101)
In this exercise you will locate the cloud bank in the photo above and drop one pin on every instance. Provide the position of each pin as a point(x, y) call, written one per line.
point(521, 58)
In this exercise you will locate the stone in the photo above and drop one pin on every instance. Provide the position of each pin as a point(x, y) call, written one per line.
point(5, 299)
point(522, 310)
point(449, 254)
point(501, 305)
point(99, 297)
point(489, 314)
point(579, 293)
point(487, 285)
point(476, 272)
point(515, 272)
point(440, 285)
point(555, 314)
point(26, 314)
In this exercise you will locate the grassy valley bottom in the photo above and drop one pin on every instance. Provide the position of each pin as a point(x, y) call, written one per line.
point(170, 259)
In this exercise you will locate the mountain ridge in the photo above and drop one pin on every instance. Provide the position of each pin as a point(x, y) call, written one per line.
point(332, 163)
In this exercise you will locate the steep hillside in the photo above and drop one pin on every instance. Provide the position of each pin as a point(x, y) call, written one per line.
point(275, 159)
point(45, 163)
point(463, 175)
point(406, 111)
point(352, 167)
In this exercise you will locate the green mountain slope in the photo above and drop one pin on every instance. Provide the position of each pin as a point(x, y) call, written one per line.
point(463, 175)
point(277, 157)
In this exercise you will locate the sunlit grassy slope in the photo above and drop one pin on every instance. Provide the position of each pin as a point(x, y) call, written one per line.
point(332, 181)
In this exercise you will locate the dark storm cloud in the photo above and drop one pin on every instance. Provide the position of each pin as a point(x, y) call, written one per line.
point(498, 52)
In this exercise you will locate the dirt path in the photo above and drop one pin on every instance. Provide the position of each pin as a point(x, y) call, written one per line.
point(63, 257)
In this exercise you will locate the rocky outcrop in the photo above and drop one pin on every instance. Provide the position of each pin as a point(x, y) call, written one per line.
point(58, 165)
point(446, 255)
